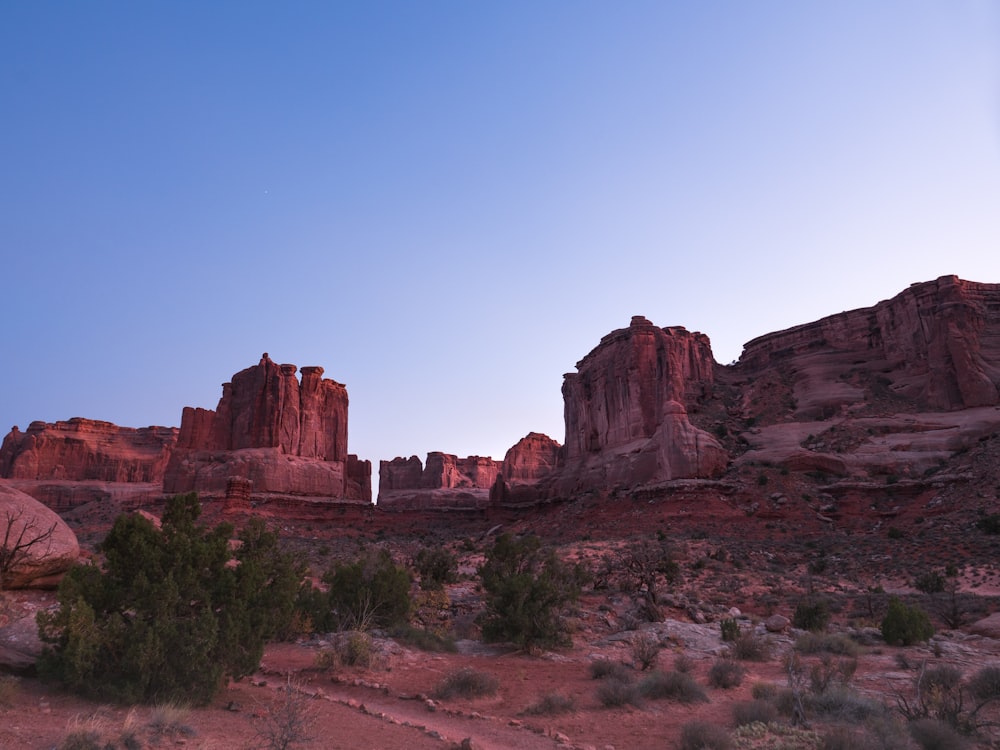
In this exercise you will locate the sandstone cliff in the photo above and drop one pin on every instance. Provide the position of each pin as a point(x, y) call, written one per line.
point(626, 411)
point(85, 449)
point(287, 437)
point(445, 481)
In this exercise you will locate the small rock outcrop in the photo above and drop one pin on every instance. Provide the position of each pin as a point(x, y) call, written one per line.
point(285, 436)
point(445, 481)
point(48, 547)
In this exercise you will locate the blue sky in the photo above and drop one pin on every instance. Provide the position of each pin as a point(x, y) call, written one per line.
point(447, 204)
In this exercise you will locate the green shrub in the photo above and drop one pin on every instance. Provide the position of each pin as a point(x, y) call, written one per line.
point(436, 566)
point(425, 640)
point(467, 683)
point(904, 625)
point(930, 582)
point(526, 589)
point(989, 524)
point(370, 592)
point(730, 629)
point(701, 735)
point(725, 674)
point(677, 686)
point(167, 616)
point(811, 614)
point(355, 650)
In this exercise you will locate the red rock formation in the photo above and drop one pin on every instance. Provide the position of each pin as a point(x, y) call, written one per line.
point(286, 437)
point(626, 410)
point(937, 343)
point(22, 517)
point(86, 450)
point(533, 458)
point(443, 482)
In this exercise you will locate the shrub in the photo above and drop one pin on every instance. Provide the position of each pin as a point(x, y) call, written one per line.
point(81, 739)
point(436, 566)
point(816, 643)
point(683, 663)
point(701, 735)
point(930, 582)
point(550, 705)
point(677, 686)
point(845, 738)
point(9, 685)
point(730, 629)
point(844, 704)
point(904, 625)
point(526, 587)
point(614, 692)
point(985, 685)
point(601, 669)
point(167, 616)
point(467, 683)
point(829, 672)
point(811, 614)
point(370, 592)
point(645, 650)
point(931, 734)
point(425, 640)
point(286, 722)
point(750, 647)
point(355, 650)
point(725, 674)
point(989, 524)
point(764, 691)
point(753, 712)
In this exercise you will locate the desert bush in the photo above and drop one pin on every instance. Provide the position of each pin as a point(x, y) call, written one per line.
point(985, 685)
point(750, 647)
point(646, 565)
point(425, 640)
point(815, 643)
point(550, 704)
point(371, 591)
point(614, 692)
point(828, 672)
point(526, 587)
point(678, 686)
point(843, 704)
point(730, 629)
point(930, 582)
point(645, 649)
point(755, 711)
point(764, 691)
point(904, 625)
point(683, 663)
point(467, 683)
point(725, 674)
point(436, 566)
point(811, 614)
point(601, 669)
point(170, 720)
point(326, 658)
point(989, 524)
point(81, 739)
point(167, 615)
point(931, 734)
point(285, 722)
point(701, 735)
point(355, 650)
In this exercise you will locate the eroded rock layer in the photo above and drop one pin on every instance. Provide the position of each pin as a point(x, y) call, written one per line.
point(287, 437)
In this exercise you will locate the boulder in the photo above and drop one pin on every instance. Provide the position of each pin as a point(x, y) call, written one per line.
point(987, 626)
point(47, 546)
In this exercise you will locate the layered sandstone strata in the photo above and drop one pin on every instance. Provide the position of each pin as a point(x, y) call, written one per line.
point(286, 436)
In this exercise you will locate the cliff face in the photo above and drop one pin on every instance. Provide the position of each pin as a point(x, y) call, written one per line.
point(285, 436)
point(445, 481)
point(936, 343)
point(86, 450)
point(626, 410)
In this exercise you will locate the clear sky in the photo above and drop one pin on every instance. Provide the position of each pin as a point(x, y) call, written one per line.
point(446, 204)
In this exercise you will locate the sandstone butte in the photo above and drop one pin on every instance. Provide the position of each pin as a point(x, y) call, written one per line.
point(892, 389)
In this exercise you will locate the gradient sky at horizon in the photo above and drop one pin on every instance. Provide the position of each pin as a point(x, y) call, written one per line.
point(447, 204)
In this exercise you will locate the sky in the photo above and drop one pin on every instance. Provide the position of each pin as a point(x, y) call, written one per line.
point(446, 204)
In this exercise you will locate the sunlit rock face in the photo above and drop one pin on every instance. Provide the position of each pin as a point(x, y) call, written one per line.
point(626, 411)
point(288, 437)
point(86, 449)
point(936, 344)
